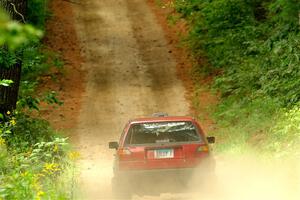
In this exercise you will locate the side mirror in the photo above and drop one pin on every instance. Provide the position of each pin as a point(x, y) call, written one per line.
point(211, 140)
point(113, 145)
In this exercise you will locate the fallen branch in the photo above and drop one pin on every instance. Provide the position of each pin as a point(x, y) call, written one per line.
point(15, 10)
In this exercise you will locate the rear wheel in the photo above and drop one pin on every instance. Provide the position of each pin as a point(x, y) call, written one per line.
point(120, 189)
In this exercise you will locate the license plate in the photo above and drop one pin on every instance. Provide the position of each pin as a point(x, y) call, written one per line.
point(164, 153)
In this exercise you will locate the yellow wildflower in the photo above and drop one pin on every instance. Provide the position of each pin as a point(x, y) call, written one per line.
point(13, 122)
point(8, 112)
point(55, 148)
point(2, 142)
point(50, 168)
point(24, 174)
point(74, 155)
point(40, 194)
point(36, 183)
point(39, 175)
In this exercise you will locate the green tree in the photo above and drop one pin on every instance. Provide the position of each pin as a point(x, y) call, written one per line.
point(286, 11)
point(13, 34)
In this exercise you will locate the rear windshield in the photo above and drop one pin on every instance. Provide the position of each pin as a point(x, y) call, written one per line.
point(162, 132)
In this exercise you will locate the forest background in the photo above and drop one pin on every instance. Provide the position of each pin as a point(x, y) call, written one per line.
point(36, 162)
point(251, 49)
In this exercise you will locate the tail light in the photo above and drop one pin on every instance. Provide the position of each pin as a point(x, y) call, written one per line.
point(124, 152)
point(203, 148)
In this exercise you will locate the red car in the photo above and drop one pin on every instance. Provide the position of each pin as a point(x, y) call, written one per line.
point(158, 151)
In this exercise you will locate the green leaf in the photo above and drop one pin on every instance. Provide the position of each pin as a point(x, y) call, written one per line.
point(5, 82)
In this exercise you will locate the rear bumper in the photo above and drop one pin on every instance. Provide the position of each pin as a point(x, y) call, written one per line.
point(200, 166)
point(176, 172)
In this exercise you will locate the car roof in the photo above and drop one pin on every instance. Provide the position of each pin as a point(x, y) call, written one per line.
point(162, 119)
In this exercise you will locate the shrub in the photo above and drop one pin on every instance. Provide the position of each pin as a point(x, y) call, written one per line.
point(284, 137)
point(23, 132)
point(37, 12)
point(33, 165)
point(253, 46)
point(256, 57)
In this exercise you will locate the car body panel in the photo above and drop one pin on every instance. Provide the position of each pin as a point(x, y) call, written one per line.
point(141, 157)
point(165, 160)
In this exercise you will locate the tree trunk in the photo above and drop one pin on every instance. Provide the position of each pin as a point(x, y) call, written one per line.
point(9, 95)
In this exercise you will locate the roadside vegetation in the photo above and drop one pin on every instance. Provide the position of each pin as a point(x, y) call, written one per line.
point(252, 51)
point(36, 162)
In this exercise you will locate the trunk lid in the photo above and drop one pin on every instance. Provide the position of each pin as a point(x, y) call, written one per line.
point(161, 156)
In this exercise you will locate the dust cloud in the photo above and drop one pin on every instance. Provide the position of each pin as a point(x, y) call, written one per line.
point(239, 178)
point(248, 178)
point(243, 178)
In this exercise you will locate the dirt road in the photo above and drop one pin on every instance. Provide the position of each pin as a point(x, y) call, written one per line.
point(131, 73)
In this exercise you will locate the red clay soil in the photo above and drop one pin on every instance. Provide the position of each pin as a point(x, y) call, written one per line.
point(185, 62)
point(69, 83)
